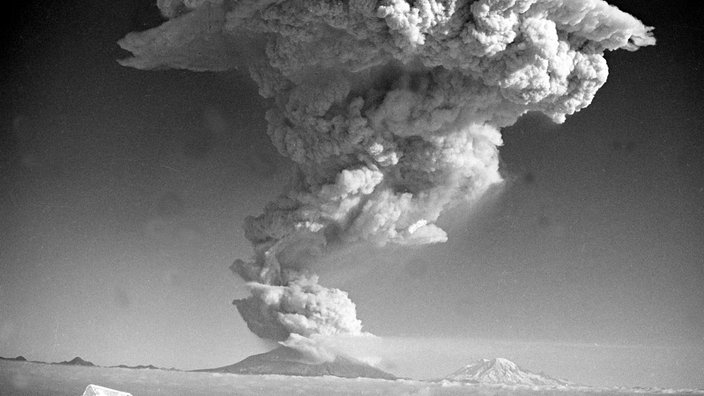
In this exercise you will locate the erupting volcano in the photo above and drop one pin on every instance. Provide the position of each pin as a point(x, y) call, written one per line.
point(391, 111)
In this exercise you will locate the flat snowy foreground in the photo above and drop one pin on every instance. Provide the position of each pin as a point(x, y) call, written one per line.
point(25, 378)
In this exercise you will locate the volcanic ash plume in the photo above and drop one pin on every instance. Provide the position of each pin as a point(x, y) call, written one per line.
point(391, 111)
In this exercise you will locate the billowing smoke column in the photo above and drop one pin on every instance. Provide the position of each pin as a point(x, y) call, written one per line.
point(391, 111)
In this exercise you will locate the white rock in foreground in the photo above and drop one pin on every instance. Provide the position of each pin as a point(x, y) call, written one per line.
point(97, 390)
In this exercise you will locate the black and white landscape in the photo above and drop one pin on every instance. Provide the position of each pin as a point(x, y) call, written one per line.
point(488, 376)
point(352, 196)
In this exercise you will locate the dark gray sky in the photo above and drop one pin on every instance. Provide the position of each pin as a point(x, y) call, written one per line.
point(122, 193)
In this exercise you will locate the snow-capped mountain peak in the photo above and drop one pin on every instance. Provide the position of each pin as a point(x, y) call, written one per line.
point(501, 371)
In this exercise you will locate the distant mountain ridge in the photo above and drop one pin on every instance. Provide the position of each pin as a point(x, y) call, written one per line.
point(501, 371)
point(288, 361)
point(139, 367)
point(16, 359)
point(77, 361)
